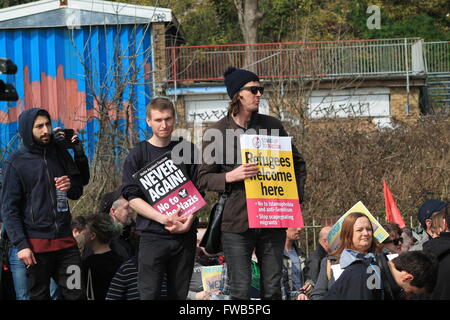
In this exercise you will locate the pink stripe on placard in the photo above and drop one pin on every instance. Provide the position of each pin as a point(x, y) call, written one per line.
point(274, 213)
point(187, 196)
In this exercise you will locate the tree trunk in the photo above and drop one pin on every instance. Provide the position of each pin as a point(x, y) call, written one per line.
point(249, 18)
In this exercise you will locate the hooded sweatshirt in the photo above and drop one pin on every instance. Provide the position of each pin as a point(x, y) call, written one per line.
point(28, 194)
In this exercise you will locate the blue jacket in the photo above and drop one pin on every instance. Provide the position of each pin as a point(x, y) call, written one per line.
point(28, 194)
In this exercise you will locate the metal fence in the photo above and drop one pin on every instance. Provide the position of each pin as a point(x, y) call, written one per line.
point(437, 56)
point(295, 59)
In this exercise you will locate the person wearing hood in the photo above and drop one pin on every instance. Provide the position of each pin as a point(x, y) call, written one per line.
point(224, 172)
point(37, 222)
point(423, 233)
point(440, 248)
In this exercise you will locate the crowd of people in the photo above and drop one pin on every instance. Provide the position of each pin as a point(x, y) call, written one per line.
point(130, 251)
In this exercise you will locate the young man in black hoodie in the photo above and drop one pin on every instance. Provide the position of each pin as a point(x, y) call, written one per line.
point(167, 243)
point(440, 248)
point(35, 225)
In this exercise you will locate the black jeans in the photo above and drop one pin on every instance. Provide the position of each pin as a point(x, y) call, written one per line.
point(64, 266)
point(269, 246)
point(174, 257)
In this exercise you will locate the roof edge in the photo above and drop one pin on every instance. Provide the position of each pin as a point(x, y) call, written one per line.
point(154, 14)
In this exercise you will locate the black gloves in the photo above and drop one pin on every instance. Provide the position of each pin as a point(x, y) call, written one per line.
point(76, 145)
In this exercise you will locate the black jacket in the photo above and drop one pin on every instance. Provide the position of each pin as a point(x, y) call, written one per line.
point(312, 264)
point(212, 171)
point(29, 194)
point(352, 284)
point(440, 248)
point(390, 289)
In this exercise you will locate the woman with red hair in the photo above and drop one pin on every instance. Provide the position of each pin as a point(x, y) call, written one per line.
point(356, 243)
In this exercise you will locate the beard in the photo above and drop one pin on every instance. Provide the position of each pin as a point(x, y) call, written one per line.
point(40, 140)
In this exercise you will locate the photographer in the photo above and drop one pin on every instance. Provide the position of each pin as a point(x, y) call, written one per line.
point(66, 139)
point(38, 180)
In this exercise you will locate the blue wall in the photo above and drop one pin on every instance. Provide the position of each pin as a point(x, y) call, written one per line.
point(51, 76)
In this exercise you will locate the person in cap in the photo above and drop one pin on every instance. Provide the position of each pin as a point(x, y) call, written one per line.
point(423, 232)
point(440, 248)
point(223, 172)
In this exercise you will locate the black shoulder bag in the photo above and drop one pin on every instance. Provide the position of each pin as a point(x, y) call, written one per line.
point(211, 240)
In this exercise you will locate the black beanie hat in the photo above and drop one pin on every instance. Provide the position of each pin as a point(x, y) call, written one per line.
point(236, 78)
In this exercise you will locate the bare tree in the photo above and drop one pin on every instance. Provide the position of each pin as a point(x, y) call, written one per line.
point(114, 86)
point(249, 17)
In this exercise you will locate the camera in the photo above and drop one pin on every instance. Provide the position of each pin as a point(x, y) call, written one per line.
point(7, 91)
point(64, 137)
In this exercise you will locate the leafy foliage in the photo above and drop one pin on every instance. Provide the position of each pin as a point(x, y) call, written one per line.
point(216, 22)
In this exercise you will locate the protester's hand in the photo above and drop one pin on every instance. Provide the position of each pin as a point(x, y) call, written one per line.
point(27, 257)
point(75, 139)
point(244, 171)
point(62, 183)
point(302, 296)
point(307, 288)
point(168, 221)
point(202, 295)
point(59, 135)
point(77, 146)
point(181, 225)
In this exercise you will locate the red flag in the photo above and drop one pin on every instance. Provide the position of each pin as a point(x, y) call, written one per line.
point(392, 213)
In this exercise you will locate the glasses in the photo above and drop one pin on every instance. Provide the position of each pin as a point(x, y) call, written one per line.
point(254, 89)
point(395, 241)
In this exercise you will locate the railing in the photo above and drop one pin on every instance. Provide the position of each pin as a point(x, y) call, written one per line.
point(293, 60)
point(437, 56)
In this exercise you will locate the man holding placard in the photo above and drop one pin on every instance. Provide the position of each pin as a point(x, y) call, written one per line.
point(224, 170)
point(168, 239)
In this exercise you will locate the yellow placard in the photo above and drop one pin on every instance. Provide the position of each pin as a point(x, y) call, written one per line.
point(211, 277)
point(276, 177)
point(378, 231)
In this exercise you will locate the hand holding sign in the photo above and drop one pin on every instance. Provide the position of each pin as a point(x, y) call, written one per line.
point(244, 171)
point(168, 188)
